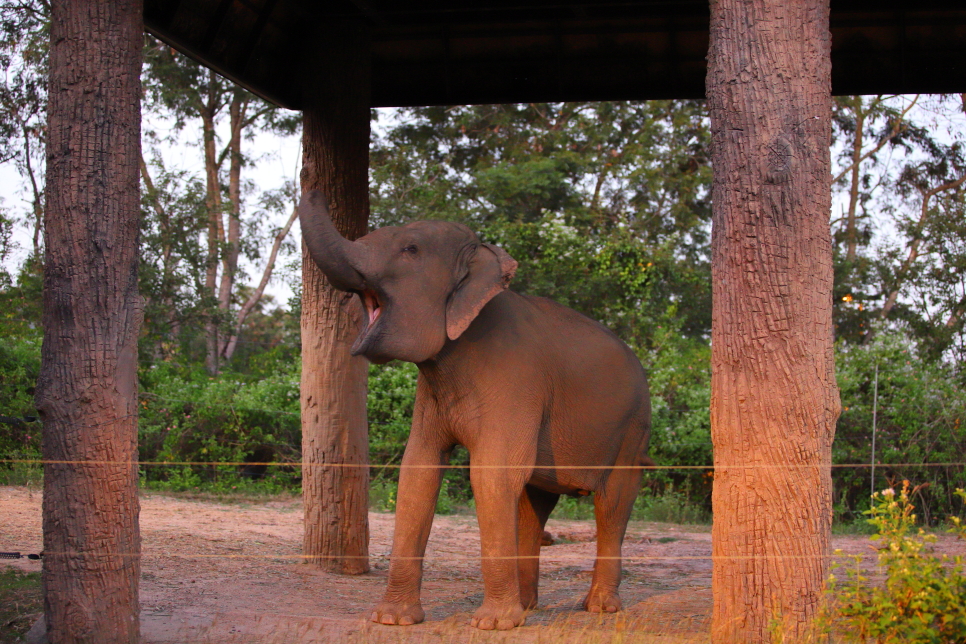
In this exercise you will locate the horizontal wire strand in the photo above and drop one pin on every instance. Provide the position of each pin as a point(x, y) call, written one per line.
point(544, 557)
point(37, 461)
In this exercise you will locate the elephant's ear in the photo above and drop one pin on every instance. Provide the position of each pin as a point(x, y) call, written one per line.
point(490, 270)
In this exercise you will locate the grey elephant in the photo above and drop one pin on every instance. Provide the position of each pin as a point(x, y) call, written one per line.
point(545, 400)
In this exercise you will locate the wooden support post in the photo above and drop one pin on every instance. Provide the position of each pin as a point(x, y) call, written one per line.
point(774, 401)
point(87, 390)
point(334, 430)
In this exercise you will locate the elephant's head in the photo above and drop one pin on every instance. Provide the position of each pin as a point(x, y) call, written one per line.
point(420, 283)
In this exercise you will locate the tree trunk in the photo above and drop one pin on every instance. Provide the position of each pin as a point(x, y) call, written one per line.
point(215, 228)
point(774, 398)
point(87, 391)
point(851, 232)
point(256, 295)
point(334, 429)
point(237, 111)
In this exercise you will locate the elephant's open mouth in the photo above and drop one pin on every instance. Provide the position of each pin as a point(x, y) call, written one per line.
point(370, 299)
point(373, 307)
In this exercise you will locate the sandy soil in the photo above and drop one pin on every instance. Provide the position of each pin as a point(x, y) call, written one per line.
point(214, 572)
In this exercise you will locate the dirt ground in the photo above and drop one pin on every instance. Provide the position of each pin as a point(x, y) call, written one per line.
point(217, 572)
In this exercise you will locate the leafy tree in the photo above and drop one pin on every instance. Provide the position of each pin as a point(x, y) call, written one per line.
point(24, 39)
point(900, 240)
point(194, 96)
point(920, 422)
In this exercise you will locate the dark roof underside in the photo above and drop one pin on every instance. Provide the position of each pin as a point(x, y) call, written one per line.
point(447, 53)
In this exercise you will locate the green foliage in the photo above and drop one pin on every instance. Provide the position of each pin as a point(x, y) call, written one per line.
point(392, 393)
point(921, 419)
point(900, 243)
point(670, 506)
point(679, 370)
point(188, 416)
point(20, 340)
point(580, 508)
point(923, 599)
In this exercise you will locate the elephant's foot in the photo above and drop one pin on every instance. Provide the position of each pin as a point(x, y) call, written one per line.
point(497, 617)
point(399, 614)
point(599, 600)
point(529, 600)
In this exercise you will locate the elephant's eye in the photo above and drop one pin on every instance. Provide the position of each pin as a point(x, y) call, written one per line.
point(411, 249)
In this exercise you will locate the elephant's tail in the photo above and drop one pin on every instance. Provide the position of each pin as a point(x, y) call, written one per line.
point(646, 461)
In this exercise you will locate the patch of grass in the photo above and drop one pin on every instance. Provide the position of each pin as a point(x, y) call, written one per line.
point(673, 506)
point(23, 474)
point(383, 491)
point(667, 539)
point(225, 480)
point(21, 601)
point(855, 526)
point(231, 497)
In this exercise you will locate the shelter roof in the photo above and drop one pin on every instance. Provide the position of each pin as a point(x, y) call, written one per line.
point(431, 52)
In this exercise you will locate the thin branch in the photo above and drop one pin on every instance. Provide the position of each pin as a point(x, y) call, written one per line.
point(257, 293)
point(897, 127)
point(915, 243)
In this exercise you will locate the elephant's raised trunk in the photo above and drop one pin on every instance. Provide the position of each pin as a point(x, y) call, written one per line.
point(341, 260)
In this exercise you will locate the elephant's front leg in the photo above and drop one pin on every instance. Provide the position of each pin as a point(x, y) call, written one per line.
point(497, 491)
point(419, 481)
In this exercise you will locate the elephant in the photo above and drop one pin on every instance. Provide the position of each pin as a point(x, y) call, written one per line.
point(545, 400)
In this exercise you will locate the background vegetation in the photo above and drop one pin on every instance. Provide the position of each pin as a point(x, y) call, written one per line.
point(605, 205)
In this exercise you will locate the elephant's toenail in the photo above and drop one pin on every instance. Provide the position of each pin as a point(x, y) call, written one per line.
point(388, 619)
point(406, 621)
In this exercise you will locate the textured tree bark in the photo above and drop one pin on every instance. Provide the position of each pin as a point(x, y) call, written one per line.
point(774, 398)
point(87, 392)
point(334, 428)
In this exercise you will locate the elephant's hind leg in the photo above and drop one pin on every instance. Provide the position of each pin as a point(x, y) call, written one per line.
point(612, 508)
point(535, 506)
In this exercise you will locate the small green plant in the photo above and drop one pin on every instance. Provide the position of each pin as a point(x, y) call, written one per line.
point(21, 602)
point(923, 599)
point(382, 494)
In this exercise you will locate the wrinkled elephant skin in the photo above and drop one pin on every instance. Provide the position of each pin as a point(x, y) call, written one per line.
point(546, 401)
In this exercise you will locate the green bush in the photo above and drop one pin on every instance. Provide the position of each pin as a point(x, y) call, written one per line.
point(923, 599)
point(671, 506)
point(679, 373)
point(921, 418)
point(20, 428)
point(392, 395)
point(187, 416)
